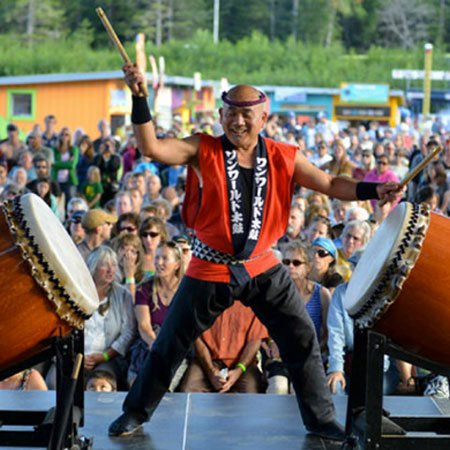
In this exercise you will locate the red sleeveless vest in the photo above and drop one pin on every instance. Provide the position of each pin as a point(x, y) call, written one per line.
point(209, 215)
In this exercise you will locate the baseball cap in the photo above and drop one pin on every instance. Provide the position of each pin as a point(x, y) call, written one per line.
point(96, 217)
point(11, 127)
point(77, 216)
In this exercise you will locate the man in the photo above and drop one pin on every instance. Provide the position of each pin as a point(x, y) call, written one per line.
point(12, 145)
point(42, 167)
point(49, 136)
point(295, 225)
point(185, 244)
point(153, 188)
point(76, 229)
point(123, 203)
point(25, 162)
point(232, 257)
point(140, 182)
point(225, 355)
point(35, 146)
point(97, 225)
point(322, 156)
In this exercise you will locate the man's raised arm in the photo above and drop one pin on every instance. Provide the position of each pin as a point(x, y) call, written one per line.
point(168, 151)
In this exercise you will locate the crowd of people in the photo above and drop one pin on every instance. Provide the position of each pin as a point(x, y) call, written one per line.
point(123, 211)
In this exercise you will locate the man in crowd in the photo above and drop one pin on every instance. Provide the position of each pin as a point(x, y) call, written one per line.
point(232, 257)
point(36, 147)
point(97, 225)
point(12, 145)
point(50, 136)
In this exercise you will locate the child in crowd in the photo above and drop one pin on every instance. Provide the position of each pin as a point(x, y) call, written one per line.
point(92, 188)
point(101, 381)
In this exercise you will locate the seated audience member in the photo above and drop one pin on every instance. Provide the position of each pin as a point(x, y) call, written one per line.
point(130, 253)
point(297, 259)
point(10, 191)
point(100, 381)
point(25, 380)
point(92, 188)
point(97, 225)
point(316, 210)
point(164, 210)
point(136, 199)
point(185, 244)
point(322, 156)
point(140, 183)
point(356, 235)
point(324, 254)
point(356, 213)
point(366, 164)
point(19, 176)
point(112, 328)
point(295, 226)
point(126, 223)
point(148, 211)
point(153, 299)
point(42, 168)
point(76, 204)
point(225, 355)
point(428, 196)
point(319, 227)
point(340, 347)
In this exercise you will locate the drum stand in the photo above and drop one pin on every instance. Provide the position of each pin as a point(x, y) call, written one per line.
point(366, 391)
point(56, 428)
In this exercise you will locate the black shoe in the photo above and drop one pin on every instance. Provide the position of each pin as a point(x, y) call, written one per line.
point(333, 431)
point(125, 425)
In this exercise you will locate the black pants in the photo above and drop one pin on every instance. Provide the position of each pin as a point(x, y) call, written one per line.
point(276, 302)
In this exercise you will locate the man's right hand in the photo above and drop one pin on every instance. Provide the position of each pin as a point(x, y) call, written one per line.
point(133, 78)
point(334, 378)
point(216, 380)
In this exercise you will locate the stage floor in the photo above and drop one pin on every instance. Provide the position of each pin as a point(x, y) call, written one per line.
point(212, 421)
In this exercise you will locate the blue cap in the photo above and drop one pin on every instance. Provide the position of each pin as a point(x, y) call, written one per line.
point(326, 244)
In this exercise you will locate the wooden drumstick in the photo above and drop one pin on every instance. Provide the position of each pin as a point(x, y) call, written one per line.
point(412, 173)
point(115, 40)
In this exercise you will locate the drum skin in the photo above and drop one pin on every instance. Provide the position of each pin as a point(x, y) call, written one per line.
point(419, 319)
point(27, 317)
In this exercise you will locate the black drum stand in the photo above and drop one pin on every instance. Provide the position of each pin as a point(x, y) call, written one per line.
point(366, 394)
point(56, 428)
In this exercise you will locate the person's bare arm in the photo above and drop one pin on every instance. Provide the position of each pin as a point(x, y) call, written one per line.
point(343, 188)
point(168, 151)
point(204, 356)
point(144, 322)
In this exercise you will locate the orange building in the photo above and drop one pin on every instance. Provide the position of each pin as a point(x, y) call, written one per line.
point(80, 100)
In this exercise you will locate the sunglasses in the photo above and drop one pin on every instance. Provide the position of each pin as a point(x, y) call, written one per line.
point(76, 220)
point(152, 234)
point(382, 163)
point(294, 262)
point(322, 253)
point(128, 229)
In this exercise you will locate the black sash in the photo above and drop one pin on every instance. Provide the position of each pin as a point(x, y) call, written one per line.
point(241, 239)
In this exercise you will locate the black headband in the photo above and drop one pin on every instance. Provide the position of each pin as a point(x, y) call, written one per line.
point(261, 99)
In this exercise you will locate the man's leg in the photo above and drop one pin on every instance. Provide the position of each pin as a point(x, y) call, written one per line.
point(276, 302)
point(193, 310)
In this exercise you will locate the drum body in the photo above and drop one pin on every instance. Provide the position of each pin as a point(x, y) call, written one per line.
point(35, 300)
point(400, 287)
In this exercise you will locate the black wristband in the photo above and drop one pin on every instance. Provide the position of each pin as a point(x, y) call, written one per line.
point(366, 191)
point(140, 112)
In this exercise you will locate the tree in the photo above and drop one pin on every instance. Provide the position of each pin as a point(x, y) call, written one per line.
point(404, 23)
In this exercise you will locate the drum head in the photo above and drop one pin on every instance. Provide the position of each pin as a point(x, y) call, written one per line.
point(371, 266)
point(59, 251)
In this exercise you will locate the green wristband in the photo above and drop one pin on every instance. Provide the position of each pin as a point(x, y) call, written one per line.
point(105, 356)
point(244, 369)
point(130, 280)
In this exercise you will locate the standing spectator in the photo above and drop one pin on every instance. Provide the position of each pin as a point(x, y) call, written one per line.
point(109, 164)
point(130, 155)
point(76, 229)
point(322, 156)
point(97, 225)
point(65, 164)
point(140, 182)
point(127, 223)
point(105, 132)
point(92, 188)
point(136, 199)
point(50, 137)
point(381, 174)
point(325, 127)
point(123, 203)
point(153, 188)
point(11, 147)
point(86, 158)
point(36, 147)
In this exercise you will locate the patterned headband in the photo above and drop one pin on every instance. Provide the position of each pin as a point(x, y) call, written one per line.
point(261, 99)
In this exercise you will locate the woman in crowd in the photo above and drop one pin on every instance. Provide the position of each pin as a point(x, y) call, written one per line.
point(436, 178)
point(127, 223)
point(153, 299)
point(65, 158)
point(86, 158)
point(366, 164)
point(43, 189)
point(340, 164)
point(112, 328)
point(324, 254)
point(319, 227)
point(152, 231)
point(129, 251)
